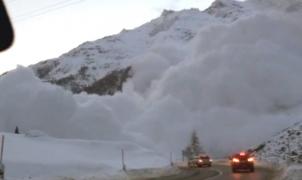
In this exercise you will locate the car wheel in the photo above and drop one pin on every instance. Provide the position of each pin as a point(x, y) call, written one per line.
point(252, 169)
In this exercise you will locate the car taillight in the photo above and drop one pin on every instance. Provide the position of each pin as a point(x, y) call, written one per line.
point(235, 160)
point(199, 160)
point(250, 159)
point(242, 154)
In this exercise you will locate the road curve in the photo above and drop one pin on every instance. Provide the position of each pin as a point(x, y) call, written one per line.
point(220, 172)
point(260, 173)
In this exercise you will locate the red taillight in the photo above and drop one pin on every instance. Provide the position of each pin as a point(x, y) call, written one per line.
point(235, 160)
point(242, 154)
point(250, 159)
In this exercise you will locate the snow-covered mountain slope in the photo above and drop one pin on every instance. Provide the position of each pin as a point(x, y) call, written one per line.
point(285, 147)
point(227, 9)
point(80, 68)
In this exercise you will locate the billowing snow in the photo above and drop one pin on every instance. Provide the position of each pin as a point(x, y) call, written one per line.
point(237, 83)
point(285, 5)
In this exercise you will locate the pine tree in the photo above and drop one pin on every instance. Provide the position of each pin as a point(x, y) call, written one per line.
point(195, 144)
point(17, 130)
point(194, 148)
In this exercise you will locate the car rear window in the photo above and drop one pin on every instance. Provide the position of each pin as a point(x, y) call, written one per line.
point(204, 157)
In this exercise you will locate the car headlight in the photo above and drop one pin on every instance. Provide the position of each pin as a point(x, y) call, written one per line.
point(235, 160)
point(250, 159)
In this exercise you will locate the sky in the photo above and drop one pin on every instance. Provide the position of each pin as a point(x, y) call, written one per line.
point(47, 29)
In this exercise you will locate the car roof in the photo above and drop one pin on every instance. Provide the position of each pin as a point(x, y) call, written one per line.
point(242, 156)
point(203, 156)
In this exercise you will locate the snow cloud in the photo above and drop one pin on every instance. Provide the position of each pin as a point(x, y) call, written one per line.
point(28, 103)
point(288, 5)
point(237, 86)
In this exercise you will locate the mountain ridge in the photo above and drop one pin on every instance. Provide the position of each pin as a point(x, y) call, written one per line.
point(88, 63)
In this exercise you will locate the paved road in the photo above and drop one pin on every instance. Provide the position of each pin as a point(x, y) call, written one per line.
point(220, 172)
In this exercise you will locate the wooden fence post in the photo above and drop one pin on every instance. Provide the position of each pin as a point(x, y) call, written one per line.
point(123, 160)
point(2, 167)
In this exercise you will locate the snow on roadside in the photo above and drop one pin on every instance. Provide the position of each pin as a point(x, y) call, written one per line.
point(103, 175)
point(43, 157)
point(293, 172)
point(140, 174)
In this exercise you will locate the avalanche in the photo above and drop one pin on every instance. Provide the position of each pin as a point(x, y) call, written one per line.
point(231, 72)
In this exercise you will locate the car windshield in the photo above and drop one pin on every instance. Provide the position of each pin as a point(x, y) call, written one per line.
point(130, 89)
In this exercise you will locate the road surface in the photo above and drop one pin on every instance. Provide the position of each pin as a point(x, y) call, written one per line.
point(220, 172)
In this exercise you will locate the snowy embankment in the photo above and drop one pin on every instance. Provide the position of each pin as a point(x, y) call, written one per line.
point(285, 171)
point(42, 157)
point(293, 172)
point(283, 152)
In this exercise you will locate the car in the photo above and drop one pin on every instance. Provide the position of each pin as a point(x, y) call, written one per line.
point(192, 162)
point(204, 160)
point(242, 162)
point(200, 161)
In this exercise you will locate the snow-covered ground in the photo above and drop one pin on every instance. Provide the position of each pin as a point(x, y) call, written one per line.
point(293, 172)
point(36, 156)
point(283, 152)
point(285, 147)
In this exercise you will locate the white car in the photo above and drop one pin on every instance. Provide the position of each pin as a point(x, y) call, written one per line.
point(200, 161)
